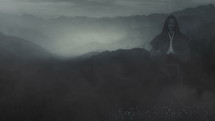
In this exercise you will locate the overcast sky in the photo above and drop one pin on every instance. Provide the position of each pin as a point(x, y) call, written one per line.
point(96, 8)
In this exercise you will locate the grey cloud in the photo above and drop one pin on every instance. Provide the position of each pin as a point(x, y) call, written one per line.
point(99, 8)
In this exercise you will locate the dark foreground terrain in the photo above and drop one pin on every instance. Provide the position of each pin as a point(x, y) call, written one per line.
point(122, 85)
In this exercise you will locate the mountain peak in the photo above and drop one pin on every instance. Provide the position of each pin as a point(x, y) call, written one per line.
point(208, 6)
point(16, 48)
point(204, 10)
point(211, 5)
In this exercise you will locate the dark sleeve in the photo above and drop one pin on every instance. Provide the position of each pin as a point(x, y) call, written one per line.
point(154, 45)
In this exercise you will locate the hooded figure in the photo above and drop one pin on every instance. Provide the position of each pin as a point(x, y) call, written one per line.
point(170, 50)
point(170, 43)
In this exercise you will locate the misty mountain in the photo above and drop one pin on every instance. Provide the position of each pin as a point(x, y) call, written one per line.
point(13, 48)
point(203, 37)
point(192, 18)
point(203, 11)
point(203, 47)
point(139, 30)
point(110, 33)
point(23, 27)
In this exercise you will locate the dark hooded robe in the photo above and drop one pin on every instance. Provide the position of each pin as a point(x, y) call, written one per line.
point(171, 64)
point(160, 45)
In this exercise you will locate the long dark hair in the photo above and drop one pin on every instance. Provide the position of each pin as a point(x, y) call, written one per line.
point(165, 27)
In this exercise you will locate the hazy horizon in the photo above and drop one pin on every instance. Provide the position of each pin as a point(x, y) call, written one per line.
point(95, 8)
point(72, 37)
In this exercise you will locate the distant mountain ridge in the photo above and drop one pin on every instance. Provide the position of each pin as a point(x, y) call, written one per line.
point(134, 31)
point(15, 48)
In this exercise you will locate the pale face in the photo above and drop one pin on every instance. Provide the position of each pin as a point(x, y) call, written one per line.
point(171, 25)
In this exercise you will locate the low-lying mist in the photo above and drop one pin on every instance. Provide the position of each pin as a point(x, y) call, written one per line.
point(73, 36)
point(77, 41)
